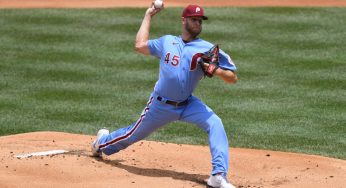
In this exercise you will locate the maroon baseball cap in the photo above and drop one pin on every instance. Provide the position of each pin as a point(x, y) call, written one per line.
point(194, 10)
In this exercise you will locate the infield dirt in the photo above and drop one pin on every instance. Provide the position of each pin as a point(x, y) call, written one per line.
point(155, 164)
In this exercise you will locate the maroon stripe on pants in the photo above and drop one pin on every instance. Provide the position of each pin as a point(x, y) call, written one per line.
point(129, 133)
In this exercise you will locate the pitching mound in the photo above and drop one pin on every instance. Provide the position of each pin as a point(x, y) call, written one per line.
point(154, 165)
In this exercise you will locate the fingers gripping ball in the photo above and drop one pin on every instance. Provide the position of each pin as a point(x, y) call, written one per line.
point(211, 57)
point(158, 4)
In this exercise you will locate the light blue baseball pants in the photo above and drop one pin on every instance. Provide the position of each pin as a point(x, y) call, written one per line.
point(157, 114)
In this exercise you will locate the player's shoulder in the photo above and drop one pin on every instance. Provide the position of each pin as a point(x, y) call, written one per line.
point(204, 43)
point(208, 45)
point(201, 44)
point(169, 37)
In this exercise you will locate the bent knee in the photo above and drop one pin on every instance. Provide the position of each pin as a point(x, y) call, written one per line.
point(213, 123)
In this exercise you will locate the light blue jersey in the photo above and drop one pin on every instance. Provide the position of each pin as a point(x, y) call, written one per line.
point(179, 71)
point(172, 100)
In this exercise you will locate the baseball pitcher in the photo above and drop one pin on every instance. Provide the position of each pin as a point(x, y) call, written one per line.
point(184, 60)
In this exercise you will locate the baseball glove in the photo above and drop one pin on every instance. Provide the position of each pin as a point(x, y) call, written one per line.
point(211, 57)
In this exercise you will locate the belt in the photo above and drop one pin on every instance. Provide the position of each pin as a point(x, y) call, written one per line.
point(173, 102)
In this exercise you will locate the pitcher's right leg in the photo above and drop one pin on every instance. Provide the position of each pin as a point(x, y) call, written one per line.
point(154, 115)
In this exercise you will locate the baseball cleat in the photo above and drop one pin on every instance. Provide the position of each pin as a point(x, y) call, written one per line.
point(219, 181)
point(95, 144)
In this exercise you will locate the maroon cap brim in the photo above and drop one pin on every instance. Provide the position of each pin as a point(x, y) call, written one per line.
point(203, 17)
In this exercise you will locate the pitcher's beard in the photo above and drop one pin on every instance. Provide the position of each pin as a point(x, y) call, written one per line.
point(194, 32)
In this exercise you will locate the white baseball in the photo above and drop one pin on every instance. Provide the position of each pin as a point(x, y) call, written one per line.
point(158, 4)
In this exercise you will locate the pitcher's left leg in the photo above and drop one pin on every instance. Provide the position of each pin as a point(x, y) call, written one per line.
point(200, 114)
point(218, 143)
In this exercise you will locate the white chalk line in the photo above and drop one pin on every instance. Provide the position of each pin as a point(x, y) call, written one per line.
point(42, 153)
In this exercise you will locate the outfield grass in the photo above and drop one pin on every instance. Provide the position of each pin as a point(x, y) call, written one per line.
point(75, 70)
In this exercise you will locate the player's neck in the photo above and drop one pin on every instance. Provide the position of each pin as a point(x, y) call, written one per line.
point(187, 37)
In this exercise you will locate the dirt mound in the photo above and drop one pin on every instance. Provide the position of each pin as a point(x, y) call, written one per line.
point(154, 165)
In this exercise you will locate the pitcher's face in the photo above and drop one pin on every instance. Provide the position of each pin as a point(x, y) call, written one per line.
point(193, 25)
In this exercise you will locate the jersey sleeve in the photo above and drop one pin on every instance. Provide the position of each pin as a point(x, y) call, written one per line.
point(226, 62)
point(156, 46)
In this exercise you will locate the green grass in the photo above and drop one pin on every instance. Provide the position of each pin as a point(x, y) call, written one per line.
point(75, 70)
